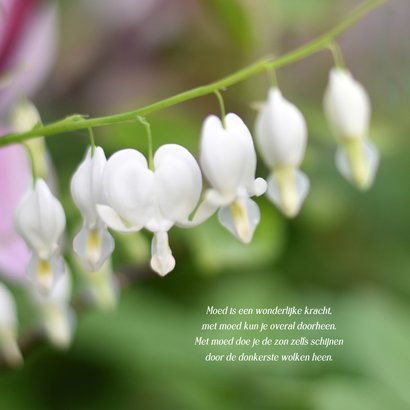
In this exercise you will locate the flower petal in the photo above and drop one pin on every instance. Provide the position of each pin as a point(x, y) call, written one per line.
point(205, 210)
point(129, 187)
point(358, 162)
point(57, 317)
point(258, 187)
point(236, 127)
point(86, 185)
point(162, 260)
point(288, 191)
point(14, 254)
point(44, 274)
point(281, 132)
point(93, 246)
point(178, 182)
point(39, 219)
point(241, 218)
point(114, 221)
point(227, 158)
point(346, 105)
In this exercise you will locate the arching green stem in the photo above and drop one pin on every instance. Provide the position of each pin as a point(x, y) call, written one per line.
point(77, 122)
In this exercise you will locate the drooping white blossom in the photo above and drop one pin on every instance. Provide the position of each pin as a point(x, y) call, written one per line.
point(56, 316)
point(137, 197)
point(39, 219)
point(8, 328)
point(347, 108)
point(93, 243)
point(281, 134)
point(228, 160)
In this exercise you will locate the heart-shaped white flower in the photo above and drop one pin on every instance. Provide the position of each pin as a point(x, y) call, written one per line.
point(347, 109)
point(93, 243)
point(281, 134)
point(39, 219)
point(228, 160)
point(137, 197)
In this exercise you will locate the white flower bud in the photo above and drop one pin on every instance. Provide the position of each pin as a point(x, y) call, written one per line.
point(228, 160)
point(93, 243)
point(8, 328)
point(347, 109)
point(347, 105)
point(281, 134)
point(39, 219)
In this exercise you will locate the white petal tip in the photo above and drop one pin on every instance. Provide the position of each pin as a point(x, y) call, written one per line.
point(93, 247)
point(45, 273)
point(114, 221)
point(162, 260)
point(162, 266)
point(260, 186)
point(240, 218)
point(288, 191)
point(358, 162)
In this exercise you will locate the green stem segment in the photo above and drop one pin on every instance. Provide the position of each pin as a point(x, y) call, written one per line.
point(221, 106)
point(32, 163)
point(337, 55)
point(147, 126)
point(77, 122)
point(92, 140)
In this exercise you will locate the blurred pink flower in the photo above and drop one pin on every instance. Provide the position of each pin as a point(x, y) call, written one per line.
point(28, 40)
point(15, 177)
point(28, 35)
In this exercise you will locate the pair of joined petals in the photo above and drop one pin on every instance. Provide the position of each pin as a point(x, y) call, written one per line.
point(137, 197)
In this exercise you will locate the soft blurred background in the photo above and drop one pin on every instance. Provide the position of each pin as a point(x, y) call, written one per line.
point(347, 249)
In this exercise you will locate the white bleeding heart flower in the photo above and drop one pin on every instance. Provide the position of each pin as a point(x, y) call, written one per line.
point(93, 244)
point(137, 197)
point(347, 109)
point(8, 328)
point(281, 134)
point(56, 315)
point(39, 219)
point(228, 160)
